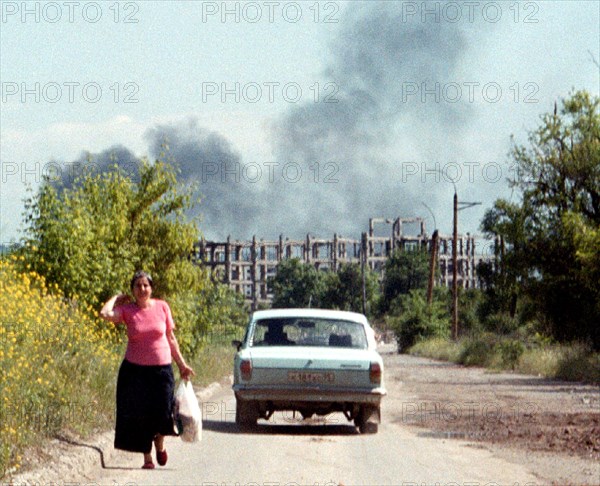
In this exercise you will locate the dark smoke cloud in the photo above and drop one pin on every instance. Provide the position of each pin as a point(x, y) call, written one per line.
point(358, 142)
point(354, 140)
point(373, 58)
point(64, 175)
point(229, 204)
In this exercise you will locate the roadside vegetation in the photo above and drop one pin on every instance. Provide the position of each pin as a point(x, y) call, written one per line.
point(59, 361)
point(538, 306)
point(58, 364)
point(570, 362)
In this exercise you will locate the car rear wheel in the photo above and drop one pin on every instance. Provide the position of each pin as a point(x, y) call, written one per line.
point(246, 413)
point(306, 414)
point(367, 420)
point(368, 428)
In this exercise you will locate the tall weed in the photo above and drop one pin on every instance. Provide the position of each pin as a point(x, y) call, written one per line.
point(57, 363)
point(540, 357)
point(437, 348)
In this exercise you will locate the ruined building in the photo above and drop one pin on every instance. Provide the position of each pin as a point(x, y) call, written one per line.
point(246, 265)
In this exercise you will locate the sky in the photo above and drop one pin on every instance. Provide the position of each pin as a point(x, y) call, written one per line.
point(292, 117)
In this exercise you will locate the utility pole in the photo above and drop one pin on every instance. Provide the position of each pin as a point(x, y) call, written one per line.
point(455, 262)
point(254, 273)
point(433, 257)
point(432, 267)
point(363, 262)
point(455, 270)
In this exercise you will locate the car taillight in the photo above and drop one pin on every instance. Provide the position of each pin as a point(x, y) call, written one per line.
point(375, 372)
point(246, 369)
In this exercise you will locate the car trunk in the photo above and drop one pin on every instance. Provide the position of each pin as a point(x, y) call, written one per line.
point(310, 366)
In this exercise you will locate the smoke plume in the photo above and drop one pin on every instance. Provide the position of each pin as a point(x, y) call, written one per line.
point(341, 160)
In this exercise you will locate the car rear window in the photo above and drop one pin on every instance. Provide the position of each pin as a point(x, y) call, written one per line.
point(309, 332)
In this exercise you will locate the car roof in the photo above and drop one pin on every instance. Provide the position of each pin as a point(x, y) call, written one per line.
point(310, 313)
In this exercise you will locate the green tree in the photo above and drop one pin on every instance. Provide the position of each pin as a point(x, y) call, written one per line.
point(504, 279)
point(551, 234)
point(405, 270)
point(296, 284)
point(412, 319)
point(587, 247)
point(344, 289)
point(90, 238)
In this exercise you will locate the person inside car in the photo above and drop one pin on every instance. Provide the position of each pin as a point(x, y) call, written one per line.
point(276, 337)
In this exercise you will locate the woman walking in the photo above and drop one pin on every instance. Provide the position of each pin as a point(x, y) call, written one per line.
point(145, 384)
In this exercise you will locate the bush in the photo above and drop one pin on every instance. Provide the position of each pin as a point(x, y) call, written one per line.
point(469, 301)
point(509, 351)
point(436, 348)
point(208, 314)
point(501, 323)
point(404, 271)
point(57, 364)
point(578, 363)
point(477, 351)
point(574, 362)
point(540, 357)
point(491, 351)
point(413, 320)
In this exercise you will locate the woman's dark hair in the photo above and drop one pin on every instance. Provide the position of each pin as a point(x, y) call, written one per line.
point(140, 274)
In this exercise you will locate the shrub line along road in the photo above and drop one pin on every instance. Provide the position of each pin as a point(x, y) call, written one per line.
point(442, 424)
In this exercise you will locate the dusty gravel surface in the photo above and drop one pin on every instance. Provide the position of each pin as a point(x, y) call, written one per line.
point(553, 425)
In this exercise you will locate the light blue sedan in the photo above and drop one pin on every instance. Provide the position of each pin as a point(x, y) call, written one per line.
point(311, 361)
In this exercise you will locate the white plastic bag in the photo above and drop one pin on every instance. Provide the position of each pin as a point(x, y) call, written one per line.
point(188, 415)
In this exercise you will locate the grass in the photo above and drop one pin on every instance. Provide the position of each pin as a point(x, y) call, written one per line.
point(213, 363)
point(437, 348)
point(574, 362)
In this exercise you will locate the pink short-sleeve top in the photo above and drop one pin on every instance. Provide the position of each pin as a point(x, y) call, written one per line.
point(147, 333)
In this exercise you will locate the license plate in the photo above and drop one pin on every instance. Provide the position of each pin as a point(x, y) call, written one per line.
point(316, 377)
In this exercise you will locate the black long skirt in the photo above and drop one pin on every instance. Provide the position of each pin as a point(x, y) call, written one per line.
point(145, 401)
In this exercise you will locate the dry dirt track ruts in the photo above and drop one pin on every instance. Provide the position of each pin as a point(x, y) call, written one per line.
point(442, 424)
point(552, 426)
point(532, 413)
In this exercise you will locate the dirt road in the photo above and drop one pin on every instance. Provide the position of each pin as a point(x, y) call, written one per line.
point(442, 424)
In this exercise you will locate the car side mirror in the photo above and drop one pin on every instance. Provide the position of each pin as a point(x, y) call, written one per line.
point(236, 344)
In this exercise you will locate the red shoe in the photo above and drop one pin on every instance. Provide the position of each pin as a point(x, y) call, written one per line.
point(161, 457)
point(148, 465)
